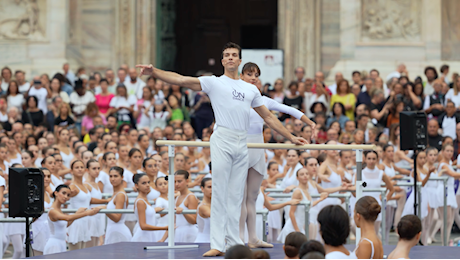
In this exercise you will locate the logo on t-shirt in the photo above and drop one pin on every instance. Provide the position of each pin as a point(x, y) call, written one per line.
point(237, 95)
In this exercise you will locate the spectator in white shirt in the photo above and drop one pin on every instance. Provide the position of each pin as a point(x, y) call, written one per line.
point(123, 105)
point(454, 93)
point(69, 74)
point(40, 93)
point(15, 99)
point(396, 74)
point(110, 77)
point(6, 76)
point(338, 78)
point(431, 76)
point(449, 120)
point(79, 99)
point(134, 85)
point(21, 79)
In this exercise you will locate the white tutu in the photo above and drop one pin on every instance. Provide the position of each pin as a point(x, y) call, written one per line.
point(186, 233)
point(117, 233)
point(274, 219)
point(41, 233)
point(54, 246)
point(14, 229)
point(97, 225)
point(79, 231)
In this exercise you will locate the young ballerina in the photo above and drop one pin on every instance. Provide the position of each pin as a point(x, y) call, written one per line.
point(50, 163)
point(96, 222)
point(186, 230)
point(135, 167)
point(151, 170)
point(366, 212)
point(164, 167)
point(329, 175)
point(28, 159)
point(445, 169)
point(204, 213)
point(63, 145)
point(40, 225)
point(162, 202)
point(395, 206)
point(409, 231)
point(145, 213)
point(434, 195)
point(58, 221)
point(279, 159)
point(116, 230)
point(103, 180)
point(422, 176)
point(123, 158)
point(79, 233)
point(297, 214)
point(373, 176)
point(334, 226)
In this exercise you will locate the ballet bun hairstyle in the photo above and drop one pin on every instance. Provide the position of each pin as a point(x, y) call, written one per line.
point(156, 181)
point(88, 164)
point(293, 243)
point(409, 226)
point(270, 164)
point(58, 188)
point(183, 173)
point(297, 173)
point(74, 162)
point(204, 180)
point(104, 157)
point(334, 225)
point(118, 169)
point(311, 246)
point(250, 67)
point(296, 151)
point(46, 159)
point(16, 165)
point(144, 162)
point(368, 208)
point(137, 177)
point(133, 151)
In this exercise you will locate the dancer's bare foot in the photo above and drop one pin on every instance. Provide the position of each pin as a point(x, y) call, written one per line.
point(213, 252)
point(260, 244)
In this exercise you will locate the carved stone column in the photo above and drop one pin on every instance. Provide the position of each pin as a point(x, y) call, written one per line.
point(299, 35)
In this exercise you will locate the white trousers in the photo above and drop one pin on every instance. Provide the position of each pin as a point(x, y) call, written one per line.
point(229, 155)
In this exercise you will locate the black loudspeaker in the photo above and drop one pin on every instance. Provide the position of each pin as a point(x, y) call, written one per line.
point(26, 192)
point(413, 130)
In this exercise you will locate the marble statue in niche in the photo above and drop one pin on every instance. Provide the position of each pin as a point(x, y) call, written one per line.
point(23, 20)
point(391, 21)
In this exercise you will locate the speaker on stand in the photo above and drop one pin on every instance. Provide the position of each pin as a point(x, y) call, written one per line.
point(413, 136)
point(26, 196)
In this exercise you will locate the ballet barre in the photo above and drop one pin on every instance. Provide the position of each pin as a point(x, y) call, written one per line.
point(171, 152)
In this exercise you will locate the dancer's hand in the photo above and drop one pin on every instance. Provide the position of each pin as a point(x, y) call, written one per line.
point(323, 195)
point(179, 210)
point(298, 140)
point(94, 211)
point(294, 202)
point(145, 69)
point(80, 210)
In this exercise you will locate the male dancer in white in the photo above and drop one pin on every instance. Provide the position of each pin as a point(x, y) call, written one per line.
point(231, 99)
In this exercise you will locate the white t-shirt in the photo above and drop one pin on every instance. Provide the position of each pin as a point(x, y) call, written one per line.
point(340, 255)
point(119, 101)
point(80, 102)
point(231, 100)
point(333, 88)
point(5, 85)
point(135, 88)
point(24, 87)
point(41, 94)
point(16, 101)
point(455, 98)
point(449, 125)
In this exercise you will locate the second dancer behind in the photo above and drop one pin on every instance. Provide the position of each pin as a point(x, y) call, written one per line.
point(232, 100)
point(257, 166)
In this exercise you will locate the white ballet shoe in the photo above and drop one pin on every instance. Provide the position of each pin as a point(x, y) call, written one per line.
point(428, 241)
point(260, 244)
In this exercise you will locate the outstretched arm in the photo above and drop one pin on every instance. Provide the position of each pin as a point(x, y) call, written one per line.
point(276, 125)
point(171, 77)
point(273, 105)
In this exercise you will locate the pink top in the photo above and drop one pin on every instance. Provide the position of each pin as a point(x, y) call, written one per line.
point(103, 102)
point(87, 122)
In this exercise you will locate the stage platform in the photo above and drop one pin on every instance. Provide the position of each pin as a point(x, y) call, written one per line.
point(135, 250)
